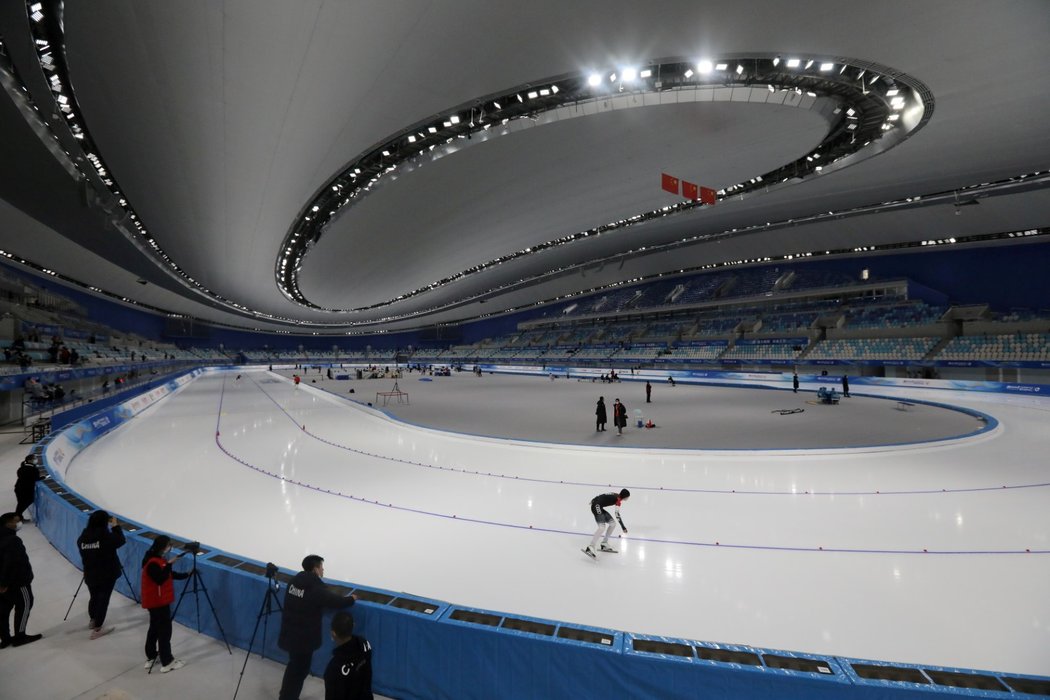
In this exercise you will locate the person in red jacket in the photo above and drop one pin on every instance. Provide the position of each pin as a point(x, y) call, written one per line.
point(158, 593)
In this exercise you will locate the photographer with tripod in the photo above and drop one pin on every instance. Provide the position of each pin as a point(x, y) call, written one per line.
point(304, 603)
point(158, 593)
point(98, 545)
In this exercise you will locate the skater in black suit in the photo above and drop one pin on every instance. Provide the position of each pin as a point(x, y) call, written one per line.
point(794, 382)
point(600, 414)
point(605, 521)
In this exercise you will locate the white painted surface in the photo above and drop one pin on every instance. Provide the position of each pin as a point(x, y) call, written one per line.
point(983, 610)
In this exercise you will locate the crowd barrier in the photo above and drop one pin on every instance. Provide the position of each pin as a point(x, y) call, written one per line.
point(434, 649)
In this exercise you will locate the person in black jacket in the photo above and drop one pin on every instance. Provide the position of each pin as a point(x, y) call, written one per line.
point(300, 635)
point(15, 576)
point(25, 485)
point(98, 545)
point(619, 416)
point(349, 673)
point(600, 414)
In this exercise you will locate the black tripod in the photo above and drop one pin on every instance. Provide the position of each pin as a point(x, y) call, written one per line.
point(269, 600)
point(198, 586)
point(122, 573)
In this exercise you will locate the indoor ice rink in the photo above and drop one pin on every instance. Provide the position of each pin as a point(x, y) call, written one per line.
point(927, 552)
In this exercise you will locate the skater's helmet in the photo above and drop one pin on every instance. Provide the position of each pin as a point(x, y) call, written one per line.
point(624, 493)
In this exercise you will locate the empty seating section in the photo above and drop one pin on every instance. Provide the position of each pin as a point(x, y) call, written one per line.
point(620, 331)
point(702, 289)
point(817, 279)
point(752, 282)
point(594, 352)
point(639, 353)
point(664, 329)
point(894, 316)
point(1016, 347)
point(717, 325)
point(687, 353)
point(780, 323)
point(745, 350)
point(873, 349)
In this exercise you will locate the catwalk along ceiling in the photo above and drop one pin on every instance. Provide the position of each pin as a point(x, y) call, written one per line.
point(465, 158)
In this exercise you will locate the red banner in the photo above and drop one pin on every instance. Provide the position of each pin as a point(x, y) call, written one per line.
point(669, 183)
point(690, 191)
point(707, 195)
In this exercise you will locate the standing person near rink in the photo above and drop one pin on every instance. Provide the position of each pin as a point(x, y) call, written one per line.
point(648, 392)
point(619, 416)
point(605, 521)
point(158, 593)
point(600, 415)
point(845, 386)
point(16, 575)
point(25, 485)
point(304, 603)
point(98, 545)
point(794, 382)
point(349, 672)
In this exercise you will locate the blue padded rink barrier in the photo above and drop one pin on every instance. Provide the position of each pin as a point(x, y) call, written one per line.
point(937, 554)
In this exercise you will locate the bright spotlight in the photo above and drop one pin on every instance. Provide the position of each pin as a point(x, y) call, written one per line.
point(630, 74)
point(645, 73)
point(689, 72)
point(721, 66)
point(793, 62)
point(594, 80)
point(739, 69)
point(704, 66)
point(825, 67)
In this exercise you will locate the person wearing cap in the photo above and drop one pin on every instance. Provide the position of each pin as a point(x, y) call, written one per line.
point(98, 545)
point(158, 593)
point(25, 485)
point(304, 604)
point(605, 521)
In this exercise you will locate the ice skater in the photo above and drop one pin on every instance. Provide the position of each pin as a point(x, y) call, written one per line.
point(605, 521)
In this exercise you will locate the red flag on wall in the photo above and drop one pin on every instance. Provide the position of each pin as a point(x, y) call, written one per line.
point(689, 191)
point(707, 195)
point(669, 183)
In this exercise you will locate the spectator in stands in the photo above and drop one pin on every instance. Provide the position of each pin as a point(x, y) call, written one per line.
point(845, 386)
point(19, 343)
point(16, 575)
point(794, 382)
point(63, 355)
point(648, 392)
point(105, 386)
point(349, 673)
point(304, 602)
point(74, 357)
point(619, 416)
point(158, 593)
point(600, 415)
point(24, 360)
point(98, 545)
point(25, 485)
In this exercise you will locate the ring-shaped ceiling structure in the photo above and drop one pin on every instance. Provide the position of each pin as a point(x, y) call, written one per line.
point(511, 196)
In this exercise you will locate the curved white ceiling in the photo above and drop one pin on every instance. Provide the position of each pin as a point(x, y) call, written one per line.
point(221, 119)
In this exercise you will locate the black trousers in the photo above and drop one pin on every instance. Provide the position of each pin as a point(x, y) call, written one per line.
point(20, 599)
point(98, 603)
point(23, 502)
point(158, 636)
point(295, 674)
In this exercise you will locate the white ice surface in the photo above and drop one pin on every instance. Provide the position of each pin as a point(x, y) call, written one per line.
point(984, 605)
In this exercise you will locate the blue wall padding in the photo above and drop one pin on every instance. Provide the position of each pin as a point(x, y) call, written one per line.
point(432, 656)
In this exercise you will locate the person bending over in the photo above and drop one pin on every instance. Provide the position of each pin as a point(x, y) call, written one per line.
point(605, 521)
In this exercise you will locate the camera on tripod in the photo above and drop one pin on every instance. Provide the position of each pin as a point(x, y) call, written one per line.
point(271, 570)
point(192, 547)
